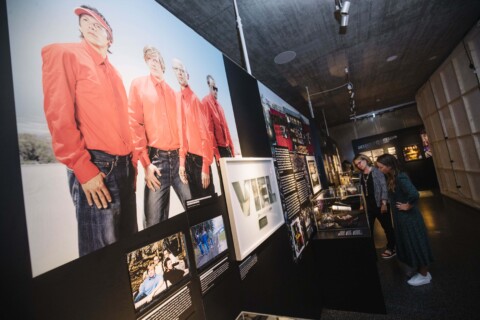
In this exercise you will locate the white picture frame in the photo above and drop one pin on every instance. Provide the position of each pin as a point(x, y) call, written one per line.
point(253, 201)
point(313, 174)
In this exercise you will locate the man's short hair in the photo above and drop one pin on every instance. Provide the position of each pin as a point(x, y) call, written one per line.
point(151, 51)
point(209, 78)
point(165, 263)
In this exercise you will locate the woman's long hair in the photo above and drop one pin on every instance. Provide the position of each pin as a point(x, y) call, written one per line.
point(390, 161)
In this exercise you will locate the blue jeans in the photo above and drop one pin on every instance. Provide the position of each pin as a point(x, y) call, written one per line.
point(194, 174)
point(139, 297)
point(225, 152)
point(157, 203)
point(98, 228)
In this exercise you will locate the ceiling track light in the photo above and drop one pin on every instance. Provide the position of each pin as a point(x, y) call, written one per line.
point(345, 7)
point(342, 8)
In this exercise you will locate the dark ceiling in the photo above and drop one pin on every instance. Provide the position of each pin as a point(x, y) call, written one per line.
point(420, 33)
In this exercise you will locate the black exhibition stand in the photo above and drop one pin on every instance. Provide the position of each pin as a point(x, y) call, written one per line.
point(347, 274)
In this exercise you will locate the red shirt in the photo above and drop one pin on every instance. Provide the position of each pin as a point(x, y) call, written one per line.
point(155, 117)
point(85, 105)
point(218, 125)
point(197, 137)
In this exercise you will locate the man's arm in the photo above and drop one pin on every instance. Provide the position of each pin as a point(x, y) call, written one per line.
point(139, 136)
point(210, 125)
point(227, 132)
point(59, 81)
point(137, 123)
point(207, 143)
point(182, 137)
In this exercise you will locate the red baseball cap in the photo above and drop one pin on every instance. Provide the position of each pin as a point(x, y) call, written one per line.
point(80, 10)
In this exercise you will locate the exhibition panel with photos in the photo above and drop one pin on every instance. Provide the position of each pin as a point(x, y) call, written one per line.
point(205, 256)
point(146, 42)
point(156, 269)
point(297, 171)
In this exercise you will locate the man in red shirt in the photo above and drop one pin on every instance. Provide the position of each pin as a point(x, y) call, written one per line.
point(195, 136)
point(157, 121)
point(217, 123)
point(86, 109)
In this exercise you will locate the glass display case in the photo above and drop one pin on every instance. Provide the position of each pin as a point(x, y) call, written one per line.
point(340, 212)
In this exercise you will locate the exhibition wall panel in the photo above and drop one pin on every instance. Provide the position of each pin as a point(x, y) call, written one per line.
point(13, 228)
point(103, 284)
point(273, 283)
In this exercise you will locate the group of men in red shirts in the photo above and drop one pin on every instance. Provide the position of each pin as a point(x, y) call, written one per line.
point(100, 134)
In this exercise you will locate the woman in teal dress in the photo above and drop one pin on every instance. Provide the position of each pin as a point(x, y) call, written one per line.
point(413, 247)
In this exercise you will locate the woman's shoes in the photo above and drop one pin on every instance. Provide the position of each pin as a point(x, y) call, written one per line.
point(419, 280)
point(388, 253)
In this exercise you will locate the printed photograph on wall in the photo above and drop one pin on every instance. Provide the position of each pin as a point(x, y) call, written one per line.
point(411, 153)
point(209, 240)
point(297, 235)
point(106, 94)
point(156, 269)
point(252, 195)
point(307, 221)
point(288, 128)
point(426, 144)
point(313, 173)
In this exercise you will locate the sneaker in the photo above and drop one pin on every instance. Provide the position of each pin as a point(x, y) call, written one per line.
point(419, 280)
point(388, 253)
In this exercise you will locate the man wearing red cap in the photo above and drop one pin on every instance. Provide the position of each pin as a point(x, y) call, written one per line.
point(222, 140)
point(86, 109)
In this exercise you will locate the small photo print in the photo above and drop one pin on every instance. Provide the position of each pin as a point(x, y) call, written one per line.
point(411, 153)
point(155, 268)
point(298, 236)
point(209, 240)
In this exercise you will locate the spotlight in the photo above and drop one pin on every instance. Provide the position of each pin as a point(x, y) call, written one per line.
point(345, 8)
point(349, 86)
point(352, 94)
point(342, 8)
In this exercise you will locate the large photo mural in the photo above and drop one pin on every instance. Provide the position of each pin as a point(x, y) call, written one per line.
point(122, 113)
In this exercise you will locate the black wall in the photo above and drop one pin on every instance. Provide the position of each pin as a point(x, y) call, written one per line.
point(276, 284)
point(248, 111)
point(14, 242)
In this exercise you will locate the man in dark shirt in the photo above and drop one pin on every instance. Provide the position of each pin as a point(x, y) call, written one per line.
point(171, 275)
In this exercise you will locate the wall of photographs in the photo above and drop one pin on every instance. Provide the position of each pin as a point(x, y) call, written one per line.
point(292, 148)
point(183, 266)
point(180, 267)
